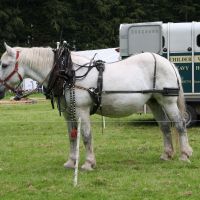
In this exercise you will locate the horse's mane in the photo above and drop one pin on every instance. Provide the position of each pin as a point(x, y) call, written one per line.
point(36, 56)
point(43, 57)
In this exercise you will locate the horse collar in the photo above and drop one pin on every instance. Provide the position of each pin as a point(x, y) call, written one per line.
point(4, 82)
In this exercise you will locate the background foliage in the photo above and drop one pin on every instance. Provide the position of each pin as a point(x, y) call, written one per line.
point(84, 24)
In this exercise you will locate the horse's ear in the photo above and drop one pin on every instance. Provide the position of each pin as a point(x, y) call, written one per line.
point(9, 50)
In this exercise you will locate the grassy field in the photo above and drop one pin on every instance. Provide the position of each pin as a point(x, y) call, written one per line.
point(34, 147)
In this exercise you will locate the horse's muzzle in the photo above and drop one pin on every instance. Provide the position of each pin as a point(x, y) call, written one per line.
point(2, 91)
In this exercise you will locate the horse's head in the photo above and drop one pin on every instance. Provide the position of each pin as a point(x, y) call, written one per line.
point(10, 75)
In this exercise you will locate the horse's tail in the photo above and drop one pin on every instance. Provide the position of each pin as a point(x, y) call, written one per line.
point(181, 101)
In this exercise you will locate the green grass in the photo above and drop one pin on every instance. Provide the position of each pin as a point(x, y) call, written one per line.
point(9, 95)
point(34, 146)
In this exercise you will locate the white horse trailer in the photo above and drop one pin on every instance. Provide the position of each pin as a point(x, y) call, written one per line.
point(180, 43)
point(29, 84)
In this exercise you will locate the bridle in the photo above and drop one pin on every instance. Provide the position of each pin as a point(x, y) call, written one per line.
point(4, 82)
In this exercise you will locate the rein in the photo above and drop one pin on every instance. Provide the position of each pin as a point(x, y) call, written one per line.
point(4, 82)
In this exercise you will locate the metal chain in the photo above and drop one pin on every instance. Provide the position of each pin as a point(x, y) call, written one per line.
point(73, 106)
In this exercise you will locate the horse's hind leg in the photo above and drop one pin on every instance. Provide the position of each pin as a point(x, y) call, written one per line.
point(164, 125)
point(175, 116)
point(90, 161)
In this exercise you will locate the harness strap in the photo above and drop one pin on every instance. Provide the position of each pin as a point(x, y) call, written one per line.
point(53, 73)
point(169, 91)
point(155, 69)
point(164, 91)
point(96, 93)
point(15, 70)
point(4, 82)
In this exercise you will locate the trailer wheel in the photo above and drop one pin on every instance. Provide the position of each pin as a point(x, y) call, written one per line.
point(190, 116)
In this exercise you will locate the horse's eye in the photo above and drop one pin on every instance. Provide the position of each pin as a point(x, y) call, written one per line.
point(4, 66)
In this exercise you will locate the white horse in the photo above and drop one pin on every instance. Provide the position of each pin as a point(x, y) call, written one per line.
point(135, 73)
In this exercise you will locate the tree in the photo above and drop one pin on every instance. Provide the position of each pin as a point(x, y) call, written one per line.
point(87, 24)
point(12, 28)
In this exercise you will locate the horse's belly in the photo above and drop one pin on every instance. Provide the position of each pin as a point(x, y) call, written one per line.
point(122, 105)
point(110, 111)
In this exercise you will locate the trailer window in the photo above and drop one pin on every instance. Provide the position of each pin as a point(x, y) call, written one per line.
point(163, 41)
point(198, 40)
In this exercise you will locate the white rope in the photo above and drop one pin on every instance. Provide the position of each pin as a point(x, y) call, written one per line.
point(77, 153)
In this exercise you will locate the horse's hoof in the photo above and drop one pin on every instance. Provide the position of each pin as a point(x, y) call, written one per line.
point(189, 151)
point(165, 157)
point(87, 166)
point(184, 158)
point(69, 164)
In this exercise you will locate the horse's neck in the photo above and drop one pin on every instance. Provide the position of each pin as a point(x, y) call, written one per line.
point(37, 63)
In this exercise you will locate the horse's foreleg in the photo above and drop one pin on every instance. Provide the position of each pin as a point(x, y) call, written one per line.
point(87, 139)
point(164, 125)
point(90, 161)
point(175, 116)
point(72, 151)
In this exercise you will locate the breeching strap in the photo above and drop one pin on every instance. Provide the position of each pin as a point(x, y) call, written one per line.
point(154, 74)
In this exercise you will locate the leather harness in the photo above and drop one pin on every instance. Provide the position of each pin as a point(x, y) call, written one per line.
point(68, 78)
point(96, 93)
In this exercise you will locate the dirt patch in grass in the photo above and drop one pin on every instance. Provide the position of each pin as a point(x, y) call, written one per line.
point(22, 101)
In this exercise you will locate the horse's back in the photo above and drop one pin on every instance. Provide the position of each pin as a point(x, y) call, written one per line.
point(134, 72)
point(144, 65)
